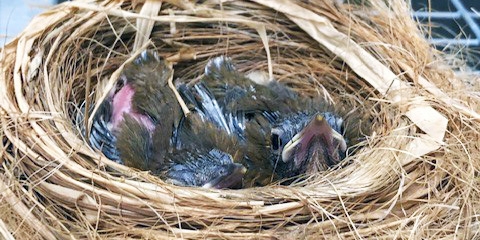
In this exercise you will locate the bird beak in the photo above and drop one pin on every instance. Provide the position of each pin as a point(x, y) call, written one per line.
point(233, 178)
point(317, 127)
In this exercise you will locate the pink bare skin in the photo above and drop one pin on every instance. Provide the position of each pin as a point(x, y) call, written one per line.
point(122, 104)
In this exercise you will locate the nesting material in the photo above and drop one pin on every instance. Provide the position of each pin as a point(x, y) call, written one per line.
point(416, 175)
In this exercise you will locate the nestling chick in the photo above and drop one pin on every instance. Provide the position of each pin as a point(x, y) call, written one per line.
point(142, 121)
point(141, 83)
point(230, 107)
point(206, 127)
point(290, 134)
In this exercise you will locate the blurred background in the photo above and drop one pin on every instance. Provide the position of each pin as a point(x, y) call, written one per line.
point(451, 25)
point(15, 15)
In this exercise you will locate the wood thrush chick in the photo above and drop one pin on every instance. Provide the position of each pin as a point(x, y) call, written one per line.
point(284, 135)
point(139, 125)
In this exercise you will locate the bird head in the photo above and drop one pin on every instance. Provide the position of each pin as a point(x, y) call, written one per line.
point(226, 176)
point(212, 169)
point(303, 143)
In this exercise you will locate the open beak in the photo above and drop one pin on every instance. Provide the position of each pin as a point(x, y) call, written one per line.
point(318, 128)
point(235, 176)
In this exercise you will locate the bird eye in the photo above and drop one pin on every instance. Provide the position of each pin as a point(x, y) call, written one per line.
point(276, 142)
point(276, 139)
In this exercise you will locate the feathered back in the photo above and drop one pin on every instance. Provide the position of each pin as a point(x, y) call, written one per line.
point(135, 145)
point(149, 76)
point(237, 93)
point(206, 127)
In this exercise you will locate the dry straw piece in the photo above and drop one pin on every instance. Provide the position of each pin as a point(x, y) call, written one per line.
point(416, 176)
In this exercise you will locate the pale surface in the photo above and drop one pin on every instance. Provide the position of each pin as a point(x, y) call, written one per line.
point(15, 15)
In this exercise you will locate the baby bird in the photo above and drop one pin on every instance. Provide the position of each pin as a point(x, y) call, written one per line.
point(138, 124)
point(285, 135)
point(229, 107)
point(207, 128)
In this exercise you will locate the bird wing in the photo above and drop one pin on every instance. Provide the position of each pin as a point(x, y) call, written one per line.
point(204, 103)
point(207, 126)
point(100, 136)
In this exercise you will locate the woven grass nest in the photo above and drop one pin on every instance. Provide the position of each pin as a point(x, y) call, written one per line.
point(415, 177)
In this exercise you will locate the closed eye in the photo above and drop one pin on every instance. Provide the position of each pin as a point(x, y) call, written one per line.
point(222, 171)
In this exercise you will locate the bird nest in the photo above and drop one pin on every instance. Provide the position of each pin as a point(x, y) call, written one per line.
point(415, 175)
